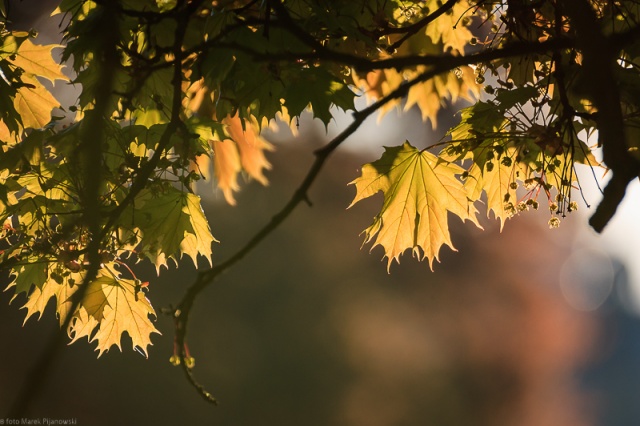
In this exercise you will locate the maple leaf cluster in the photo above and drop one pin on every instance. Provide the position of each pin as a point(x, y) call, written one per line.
point(176, 92)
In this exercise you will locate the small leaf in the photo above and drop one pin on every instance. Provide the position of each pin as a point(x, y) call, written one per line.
point(497, 185)
point(28, 275)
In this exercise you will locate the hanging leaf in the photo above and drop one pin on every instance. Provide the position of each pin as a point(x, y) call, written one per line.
point(172, 223)
point(226, 166)
point(418, 191)
point(111, 307)
point(34, 104)
point(36, 60)
point(251, 147)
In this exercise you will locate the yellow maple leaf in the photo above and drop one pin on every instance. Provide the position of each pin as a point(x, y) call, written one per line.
point(448, 28)
point(433, 94)
point(251, 148)
point(243, 150)
point(36, 60)
point(113, 306)
point(428, 96)
point(172, 223)
point(45, 287)
point(34, 103)
point(226, 166)
point(5, 134)
point(419, 190)
point(378, 83)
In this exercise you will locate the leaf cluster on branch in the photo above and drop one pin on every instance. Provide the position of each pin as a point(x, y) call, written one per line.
point(177, 91)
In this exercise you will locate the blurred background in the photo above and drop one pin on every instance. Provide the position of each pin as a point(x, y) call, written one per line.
point(530, 326)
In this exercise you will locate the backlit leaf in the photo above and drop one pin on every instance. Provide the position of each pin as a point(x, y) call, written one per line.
point(36, 60)
point(419, 191)
point(448, 28)
point(251, 147)
point(173, 223)
point(226, 166)
point(114, 305)
point(34, 104)
point(498, 185)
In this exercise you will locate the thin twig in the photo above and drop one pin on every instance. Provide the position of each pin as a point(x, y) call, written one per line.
point(205, 278)
point(413, 29)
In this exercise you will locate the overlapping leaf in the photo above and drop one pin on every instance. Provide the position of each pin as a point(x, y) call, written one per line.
point(112, 306)
point(40, 281)
point(499, 183)
point(33, 102)
point(172, 223)
point(449, 29)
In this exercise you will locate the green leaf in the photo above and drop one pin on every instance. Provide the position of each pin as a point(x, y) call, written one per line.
point(519, 96)
point(172, 223)
point(29, 275)
point(317, 88)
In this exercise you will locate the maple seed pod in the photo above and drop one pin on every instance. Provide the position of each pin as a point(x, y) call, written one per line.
point(174, 360)
point(513, 185)
point(489, 166)
point(553, 207)
point(510, 209)
point(190, 362)
point(554, 222)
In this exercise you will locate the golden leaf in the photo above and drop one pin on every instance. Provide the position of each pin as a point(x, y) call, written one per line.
point(114, 305)
point(36, 60)
point(418, 191)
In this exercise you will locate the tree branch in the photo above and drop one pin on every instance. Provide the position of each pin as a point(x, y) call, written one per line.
point(599, 57)
point(205, 278)
point(89, 158)
point(414, 28)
